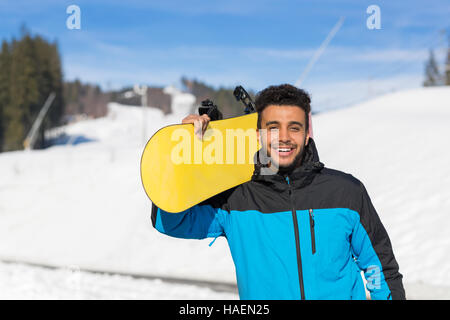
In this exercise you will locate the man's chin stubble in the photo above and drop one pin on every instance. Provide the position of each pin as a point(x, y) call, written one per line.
point(285, 169)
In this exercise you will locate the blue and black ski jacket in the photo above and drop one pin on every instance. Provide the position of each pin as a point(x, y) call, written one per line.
point(306, 235)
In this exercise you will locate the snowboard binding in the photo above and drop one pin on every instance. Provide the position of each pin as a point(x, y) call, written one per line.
point(241, 95)
point(208, 107)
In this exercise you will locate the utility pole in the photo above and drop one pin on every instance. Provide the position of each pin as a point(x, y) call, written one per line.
point(142, 91)
point(447, 62)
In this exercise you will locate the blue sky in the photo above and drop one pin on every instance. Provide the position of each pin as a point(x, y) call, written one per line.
point(253, 43)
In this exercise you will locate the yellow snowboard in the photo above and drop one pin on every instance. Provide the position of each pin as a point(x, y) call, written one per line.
point(178, 170)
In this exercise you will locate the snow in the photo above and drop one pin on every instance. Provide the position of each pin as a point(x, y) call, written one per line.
point(27, 282)
point(83, 205)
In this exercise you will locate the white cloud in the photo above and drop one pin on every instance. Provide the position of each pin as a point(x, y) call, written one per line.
point(254, 67)
point(354, 54)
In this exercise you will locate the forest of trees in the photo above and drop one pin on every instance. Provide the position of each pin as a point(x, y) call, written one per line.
point(30, 69)
point(84, 98)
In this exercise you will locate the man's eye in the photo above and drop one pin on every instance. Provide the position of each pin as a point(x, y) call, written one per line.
point(273, 128)
point(295, 129)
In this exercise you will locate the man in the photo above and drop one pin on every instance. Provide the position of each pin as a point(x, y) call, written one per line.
point(305, 232)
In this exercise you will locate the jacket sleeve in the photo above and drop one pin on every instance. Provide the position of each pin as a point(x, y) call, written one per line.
point(372, 249)
point(204, 220)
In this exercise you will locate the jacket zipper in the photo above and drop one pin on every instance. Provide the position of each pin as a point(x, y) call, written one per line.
point(297, 242)
point(311, 227)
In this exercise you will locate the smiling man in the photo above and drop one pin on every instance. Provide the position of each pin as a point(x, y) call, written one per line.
point(303, 231)
point(283, 128)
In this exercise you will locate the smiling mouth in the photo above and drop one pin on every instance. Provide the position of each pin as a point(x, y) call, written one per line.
point(284, 151)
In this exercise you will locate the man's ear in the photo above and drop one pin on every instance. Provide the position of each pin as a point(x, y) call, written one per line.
point(307, 139)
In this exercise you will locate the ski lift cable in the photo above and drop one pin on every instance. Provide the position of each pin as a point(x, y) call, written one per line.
point(319, 51)
point(31, 136)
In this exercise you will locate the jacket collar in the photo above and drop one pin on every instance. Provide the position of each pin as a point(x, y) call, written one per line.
point(299, 177)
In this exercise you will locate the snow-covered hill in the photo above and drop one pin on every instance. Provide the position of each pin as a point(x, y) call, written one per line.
point(83, 205)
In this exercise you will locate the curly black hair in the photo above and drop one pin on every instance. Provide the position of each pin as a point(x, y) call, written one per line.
point(284, 94)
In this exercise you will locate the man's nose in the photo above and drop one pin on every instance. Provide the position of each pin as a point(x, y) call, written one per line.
point(283, 135)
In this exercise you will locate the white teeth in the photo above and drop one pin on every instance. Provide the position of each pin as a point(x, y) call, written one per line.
point(284, 150)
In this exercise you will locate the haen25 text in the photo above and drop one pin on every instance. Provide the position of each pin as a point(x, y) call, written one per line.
point(227, 309)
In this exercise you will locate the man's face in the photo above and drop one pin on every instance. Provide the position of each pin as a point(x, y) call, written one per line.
point(286, 134)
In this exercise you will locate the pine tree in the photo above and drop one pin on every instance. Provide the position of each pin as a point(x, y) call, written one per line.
point(432, 75)
point(33, 72)
point(4, 87)
point(50, 80)
point(24, 92)
point(447, 65)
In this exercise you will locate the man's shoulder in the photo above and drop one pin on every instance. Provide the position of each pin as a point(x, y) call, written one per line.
point(340, 175)
point(340, 178)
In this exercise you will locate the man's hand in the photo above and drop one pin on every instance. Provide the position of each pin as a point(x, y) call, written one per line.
point(200, 123)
